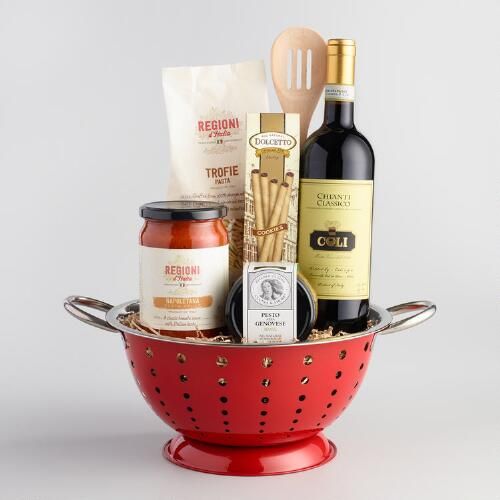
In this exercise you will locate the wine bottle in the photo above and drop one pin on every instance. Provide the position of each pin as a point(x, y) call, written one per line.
point(336, 199)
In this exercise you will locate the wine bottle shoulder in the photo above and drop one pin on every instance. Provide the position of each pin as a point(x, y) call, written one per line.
point(340, 153)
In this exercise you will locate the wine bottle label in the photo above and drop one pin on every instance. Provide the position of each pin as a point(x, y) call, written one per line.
point(335, 218)
point(334, 92)
point(183, 289)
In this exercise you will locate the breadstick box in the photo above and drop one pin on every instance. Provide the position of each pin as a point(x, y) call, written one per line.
point(271, 187)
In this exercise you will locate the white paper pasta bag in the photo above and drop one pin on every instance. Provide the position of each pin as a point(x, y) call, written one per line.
point(206, 110)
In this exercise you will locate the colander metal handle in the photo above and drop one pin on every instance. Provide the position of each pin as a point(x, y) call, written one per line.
point(422, 310)
point(71, 305)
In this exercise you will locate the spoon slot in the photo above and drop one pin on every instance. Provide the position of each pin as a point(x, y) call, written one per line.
point(308, 68)
point(289, 69)
point(300, 69)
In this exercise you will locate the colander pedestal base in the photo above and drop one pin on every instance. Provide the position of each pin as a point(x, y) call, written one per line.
point(250, 461)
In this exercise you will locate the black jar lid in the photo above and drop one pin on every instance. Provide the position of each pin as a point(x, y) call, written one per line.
point(182, 210)
point(306, 309)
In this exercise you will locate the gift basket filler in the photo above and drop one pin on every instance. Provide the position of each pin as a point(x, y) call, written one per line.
point(254, 330)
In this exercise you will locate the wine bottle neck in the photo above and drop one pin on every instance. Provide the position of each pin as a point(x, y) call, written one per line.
point(339, 114)
point(339, 89)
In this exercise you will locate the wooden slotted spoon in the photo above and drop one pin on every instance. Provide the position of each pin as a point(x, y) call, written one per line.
point(298, 67)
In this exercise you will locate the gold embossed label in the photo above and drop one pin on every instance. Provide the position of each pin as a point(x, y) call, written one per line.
point(335, 218)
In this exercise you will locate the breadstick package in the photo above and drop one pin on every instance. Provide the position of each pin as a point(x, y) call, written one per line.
point(206, 111)
point(271, 187)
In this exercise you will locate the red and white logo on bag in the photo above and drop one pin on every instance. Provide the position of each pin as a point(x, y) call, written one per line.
point(218, 128)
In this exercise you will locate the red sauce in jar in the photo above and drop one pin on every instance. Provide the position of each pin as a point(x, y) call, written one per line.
point(184, 268)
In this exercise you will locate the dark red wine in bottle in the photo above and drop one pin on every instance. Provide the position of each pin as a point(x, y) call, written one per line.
point(336, 200)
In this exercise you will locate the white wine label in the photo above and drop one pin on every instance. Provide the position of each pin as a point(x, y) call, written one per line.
point(334, 92)
point(183, 289)
point(335, 237)
point(270, 302)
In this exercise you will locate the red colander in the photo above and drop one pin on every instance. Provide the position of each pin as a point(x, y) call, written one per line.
point(248, 409)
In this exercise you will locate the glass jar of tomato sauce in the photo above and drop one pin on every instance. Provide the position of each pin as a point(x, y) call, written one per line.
point(184, 268)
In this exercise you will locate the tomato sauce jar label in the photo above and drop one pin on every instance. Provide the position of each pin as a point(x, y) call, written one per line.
point(184, 289)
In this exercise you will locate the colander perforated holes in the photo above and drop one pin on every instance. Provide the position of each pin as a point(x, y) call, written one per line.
point(132, 364)
point(361, 366)
point(324, 415)
point(342, 354)
point(292, 428)
point(295, 420)
point(356, 385)
point(267, 362)
point(350, 397)
point(183, 378)
point(262, 423)
point(186, 395)
point(226, 422)
point(302, 397)
point(196, 427)
point(338, 374)
point(308, 360)
point(366, 346)
point(334, 392)
point(157, 389)
point(329, 405)
point(223, 399)
point(265, 400)
point(162, 403)
point(149, 352)
point(227, 430)
point(261, 430)
point(304, 380)
point(224, 412)
point(318, 424)
point(263, 413)
point(221, 361)
point(189, 409)
point(181, 358)
point(222, 382)
point(298, 410)
point(266, 382)
point(153, 372)
point(167, 414)
point(193, 419)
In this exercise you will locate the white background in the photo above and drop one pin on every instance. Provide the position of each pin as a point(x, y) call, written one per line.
point(83, 142)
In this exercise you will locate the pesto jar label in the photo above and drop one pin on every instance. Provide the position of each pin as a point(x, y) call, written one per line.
point(270, 302)
point(335, 219)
